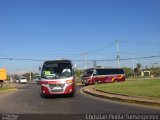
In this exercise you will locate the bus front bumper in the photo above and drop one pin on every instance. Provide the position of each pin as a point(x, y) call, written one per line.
point(51, 89)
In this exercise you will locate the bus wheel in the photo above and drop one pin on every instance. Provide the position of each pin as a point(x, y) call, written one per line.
point(71, 94)
point(43, 95)
point(115, 81)
point(96, 82)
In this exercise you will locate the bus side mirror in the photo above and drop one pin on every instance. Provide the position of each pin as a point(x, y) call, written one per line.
point(74, 66)
point(94, 73)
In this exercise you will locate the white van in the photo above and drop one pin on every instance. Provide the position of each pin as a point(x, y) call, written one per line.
point(23, 80)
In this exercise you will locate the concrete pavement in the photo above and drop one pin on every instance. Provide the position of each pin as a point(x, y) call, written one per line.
point(112, 96)
point(119, 97)
point(12, 85)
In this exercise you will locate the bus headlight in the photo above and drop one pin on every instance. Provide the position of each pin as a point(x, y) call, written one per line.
point(45, 85)
point(69, 81)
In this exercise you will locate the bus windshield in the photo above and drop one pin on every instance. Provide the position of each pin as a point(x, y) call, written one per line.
point(88, 72)
point(53, 70)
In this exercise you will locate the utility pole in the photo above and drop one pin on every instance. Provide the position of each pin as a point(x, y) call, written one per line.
point(118, 53)
point(85, 57)
point(94, 63)
point(30, 74)
point(17, 73)
point(133, 65)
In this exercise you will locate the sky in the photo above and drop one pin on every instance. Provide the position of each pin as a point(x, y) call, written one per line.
point(73, 29)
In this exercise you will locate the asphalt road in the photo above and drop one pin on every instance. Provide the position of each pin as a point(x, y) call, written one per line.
point(27, 100)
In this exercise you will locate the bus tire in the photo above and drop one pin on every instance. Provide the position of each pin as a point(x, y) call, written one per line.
point(43, 95)
point(115, 80)
point(71, 94)
point(96, 82)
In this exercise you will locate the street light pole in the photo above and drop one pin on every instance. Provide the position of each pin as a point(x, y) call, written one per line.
point(30, 74)
point(30, 77)
point(85, 58)
point(118, 53)
point(133, 65)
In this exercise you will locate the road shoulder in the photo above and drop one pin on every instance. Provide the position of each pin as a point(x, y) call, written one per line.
point(9, 87)
point(119, 97)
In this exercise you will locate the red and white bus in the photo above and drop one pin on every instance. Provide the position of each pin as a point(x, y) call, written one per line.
point(102, 75)
point(57, 77)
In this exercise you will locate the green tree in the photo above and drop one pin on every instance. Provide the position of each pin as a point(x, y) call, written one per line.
point(27, 75)
point(155, 71)
point(138, 66)
point(15, 76)
point(78, 72)
point(137, 70)
point(128, 71)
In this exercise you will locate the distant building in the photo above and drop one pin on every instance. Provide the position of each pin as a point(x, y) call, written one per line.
point(145, 73)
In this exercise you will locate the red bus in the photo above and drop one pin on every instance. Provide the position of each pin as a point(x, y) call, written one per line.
point(57, 77)
point(102, 75)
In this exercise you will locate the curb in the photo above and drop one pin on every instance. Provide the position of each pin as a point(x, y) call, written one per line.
point(109, 92)
point(10, 88)
point(79, 84)
point(14, 86)
point(118, 97)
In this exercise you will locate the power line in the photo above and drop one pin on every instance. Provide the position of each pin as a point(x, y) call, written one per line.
point(25, 59)
point(100, 49)
point(142, 57)
point(140, 43)
point(28, 59)
point(146, 57)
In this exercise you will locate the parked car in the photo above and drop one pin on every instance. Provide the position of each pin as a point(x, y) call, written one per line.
point(17, 81)
point(23, 80)
point(36, 79)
